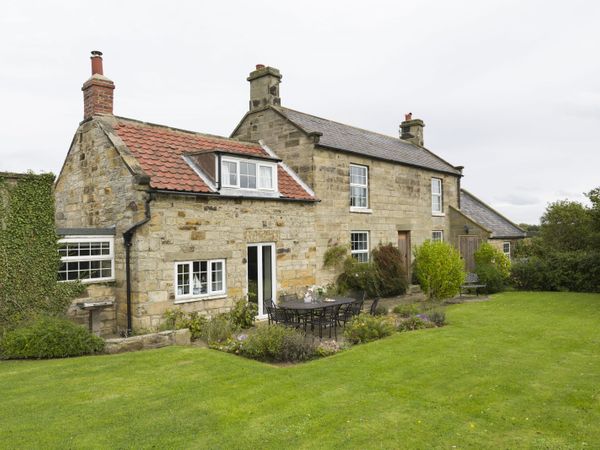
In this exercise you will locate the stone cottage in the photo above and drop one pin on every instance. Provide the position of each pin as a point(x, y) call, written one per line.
point(153, 217)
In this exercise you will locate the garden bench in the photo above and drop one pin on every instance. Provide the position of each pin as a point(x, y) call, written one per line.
point(471, 282)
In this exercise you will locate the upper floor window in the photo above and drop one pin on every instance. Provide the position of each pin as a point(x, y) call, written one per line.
point(506, 248)
point(359, 245)
point(437, 236)
point(437, 206)
point(359, 186)
point(246, 174)
point(86, 258)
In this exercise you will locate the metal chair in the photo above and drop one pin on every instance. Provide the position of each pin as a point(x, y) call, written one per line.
point(275, 314)
point(326, 318)
point(374, 306)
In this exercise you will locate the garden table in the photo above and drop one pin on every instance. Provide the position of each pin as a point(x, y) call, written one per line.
point(307, 313)
point(318, 304)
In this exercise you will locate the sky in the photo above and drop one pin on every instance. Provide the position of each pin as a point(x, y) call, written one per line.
point(508, 89)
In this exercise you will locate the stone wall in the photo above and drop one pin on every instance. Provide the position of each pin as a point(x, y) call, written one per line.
point(147, 341)
point(188, 228)
point(96, 189)
point(399, 196)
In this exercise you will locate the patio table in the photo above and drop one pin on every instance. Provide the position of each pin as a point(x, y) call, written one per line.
point(319, 304)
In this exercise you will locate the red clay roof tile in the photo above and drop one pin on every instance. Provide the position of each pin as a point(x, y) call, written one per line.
point(159, 150)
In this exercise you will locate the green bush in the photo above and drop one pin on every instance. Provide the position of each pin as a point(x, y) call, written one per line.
point(439, 269)
point(412, 323)
point(177, 319)
point(335, 256)
point(406, 310)
point(558, 271)
point(49, 337)
point(381, 310)
point(389, 263)
point(277, 343)
point(437, 317)
point(359, 276)
point(243, 314)
point(218, 330)
point(365, 328)
point(492, 267)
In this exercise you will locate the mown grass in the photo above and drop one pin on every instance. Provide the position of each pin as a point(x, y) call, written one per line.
point(520, 371)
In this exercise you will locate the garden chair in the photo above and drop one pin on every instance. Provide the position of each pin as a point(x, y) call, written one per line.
point(374, 306)
point(326, 318)
point(276, 315)
point(349, 310)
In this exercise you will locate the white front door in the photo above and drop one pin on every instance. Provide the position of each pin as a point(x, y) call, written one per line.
point(262, 278)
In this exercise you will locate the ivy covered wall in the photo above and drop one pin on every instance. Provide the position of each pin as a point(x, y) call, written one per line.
point(29, 257)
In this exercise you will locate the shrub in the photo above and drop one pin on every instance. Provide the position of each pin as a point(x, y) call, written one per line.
point(390, 269)
point(406, 310)
point(365, 328)
point(328, 348)
point(49, 337)
point(177, 319)
point(412, 323)
point(491, 277)
point(437, 317)
point(359, 276)
point(243, 314)
point(492, 267)
point(439, 269)
point(217, 330)
point(335, 256)
point(277, 343)
point(381, 310)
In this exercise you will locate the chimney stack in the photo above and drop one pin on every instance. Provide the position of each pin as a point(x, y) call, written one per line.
point(97, 90)
point(412, 130)
point(264, 87)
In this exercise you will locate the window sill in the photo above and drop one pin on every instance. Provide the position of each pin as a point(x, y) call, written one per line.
point(434, 214)
point(199, 299)
point(356, 209)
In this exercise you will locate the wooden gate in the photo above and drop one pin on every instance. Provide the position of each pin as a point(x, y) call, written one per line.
point(467, 246)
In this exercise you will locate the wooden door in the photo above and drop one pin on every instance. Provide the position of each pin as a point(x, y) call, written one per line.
point(404, 247)
point(468, 245)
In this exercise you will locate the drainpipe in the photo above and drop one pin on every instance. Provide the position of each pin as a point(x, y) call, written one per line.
point(127, 238)
point(218, 172)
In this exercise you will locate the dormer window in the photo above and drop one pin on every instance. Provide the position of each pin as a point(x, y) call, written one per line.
point(248, 174)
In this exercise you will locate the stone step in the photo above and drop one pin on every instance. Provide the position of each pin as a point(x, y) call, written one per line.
point(414, 289)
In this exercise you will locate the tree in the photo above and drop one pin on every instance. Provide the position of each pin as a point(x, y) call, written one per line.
point(566, 226)
point(439, 269)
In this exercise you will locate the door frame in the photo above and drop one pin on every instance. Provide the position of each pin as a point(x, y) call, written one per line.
point(259, 263)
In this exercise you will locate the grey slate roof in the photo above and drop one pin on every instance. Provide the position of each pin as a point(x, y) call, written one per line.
point(499, 225)
point(368, 143)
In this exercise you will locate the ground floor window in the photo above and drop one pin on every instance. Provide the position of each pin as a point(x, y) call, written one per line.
point(359, 245)
point(506, 248)
point(437, 236)
point(199, 278)
point(86, 258)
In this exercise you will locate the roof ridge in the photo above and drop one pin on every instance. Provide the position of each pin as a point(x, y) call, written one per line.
point(489, 207)
point(195, 133)
point(404, 141)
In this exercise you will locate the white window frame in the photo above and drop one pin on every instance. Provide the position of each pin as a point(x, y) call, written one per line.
point(504, 251)
point(258, 165)
point(440, 233)
point(439, 195)
point(359, 185)
point(181, 298)
point(88, 258)
point(355, 253)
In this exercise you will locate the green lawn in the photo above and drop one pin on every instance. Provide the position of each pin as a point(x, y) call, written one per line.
point(522, 370)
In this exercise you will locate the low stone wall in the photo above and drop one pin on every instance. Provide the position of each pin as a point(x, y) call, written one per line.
point(147, 341)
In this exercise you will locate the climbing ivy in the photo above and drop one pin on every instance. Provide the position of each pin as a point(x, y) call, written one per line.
point(29, 258)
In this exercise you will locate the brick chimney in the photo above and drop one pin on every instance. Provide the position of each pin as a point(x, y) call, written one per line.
point(412, 130)
point(264, 87)
point(97, 90)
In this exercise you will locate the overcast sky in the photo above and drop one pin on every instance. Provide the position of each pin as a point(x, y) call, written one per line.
point(509, 89)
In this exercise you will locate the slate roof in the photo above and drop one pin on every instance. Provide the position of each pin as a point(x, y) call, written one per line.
point(499, 225)
point(367, 143)
point(159, 150)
